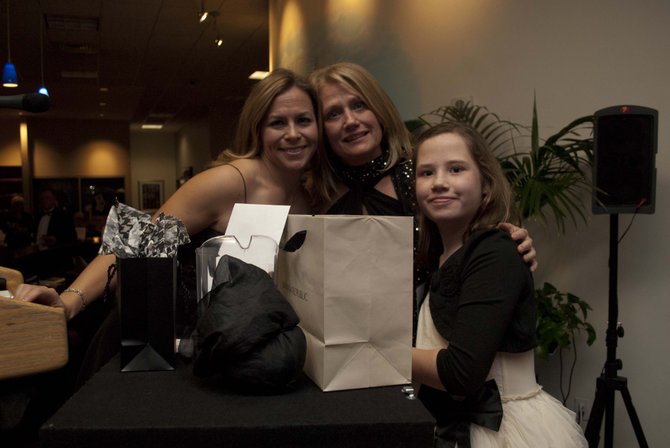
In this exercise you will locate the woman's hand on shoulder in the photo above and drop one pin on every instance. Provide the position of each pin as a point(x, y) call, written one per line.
point(524, 243)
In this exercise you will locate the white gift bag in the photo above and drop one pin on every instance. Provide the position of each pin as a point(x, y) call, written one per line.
point(351, 285)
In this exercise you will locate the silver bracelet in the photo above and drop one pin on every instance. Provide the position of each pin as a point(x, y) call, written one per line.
point(80, 294)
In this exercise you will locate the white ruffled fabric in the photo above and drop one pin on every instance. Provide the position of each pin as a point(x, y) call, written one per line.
point(532, 418)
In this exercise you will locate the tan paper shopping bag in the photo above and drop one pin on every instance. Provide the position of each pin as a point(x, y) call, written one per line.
point(351, 285)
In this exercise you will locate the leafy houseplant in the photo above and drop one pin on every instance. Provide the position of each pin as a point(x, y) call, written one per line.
point(550, 175)
point(559, 316)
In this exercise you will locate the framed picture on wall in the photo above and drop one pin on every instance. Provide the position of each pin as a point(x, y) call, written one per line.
point(151, 195)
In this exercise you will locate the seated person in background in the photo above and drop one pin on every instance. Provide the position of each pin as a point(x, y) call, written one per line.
point(55, 226)
point(17, 224)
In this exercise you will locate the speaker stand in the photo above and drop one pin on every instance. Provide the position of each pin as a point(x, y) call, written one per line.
point(609, 381)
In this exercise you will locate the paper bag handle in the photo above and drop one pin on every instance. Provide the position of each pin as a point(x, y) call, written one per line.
point(295, 242)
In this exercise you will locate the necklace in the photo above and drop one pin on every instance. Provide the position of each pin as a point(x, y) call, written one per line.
point(362, 176)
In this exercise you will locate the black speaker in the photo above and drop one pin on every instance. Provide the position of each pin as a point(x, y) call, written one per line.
point(624, 169)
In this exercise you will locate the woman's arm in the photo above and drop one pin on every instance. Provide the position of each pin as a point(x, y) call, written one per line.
point(206, 200)
point(90, 282)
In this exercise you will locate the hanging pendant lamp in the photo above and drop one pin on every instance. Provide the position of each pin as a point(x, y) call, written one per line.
point(9, 77)
point(43, 89)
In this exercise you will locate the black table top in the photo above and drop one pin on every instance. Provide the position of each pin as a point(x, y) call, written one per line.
point(174, 408)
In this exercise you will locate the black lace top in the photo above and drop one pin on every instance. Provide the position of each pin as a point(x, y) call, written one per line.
point(361, 181)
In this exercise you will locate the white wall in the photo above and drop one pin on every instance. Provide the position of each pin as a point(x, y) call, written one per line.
point(193, 147)
point(152, 157)
point(578, 57)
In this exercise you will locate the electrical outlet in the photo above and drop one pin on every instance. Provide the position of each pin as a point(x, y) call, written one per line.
point(582, 411)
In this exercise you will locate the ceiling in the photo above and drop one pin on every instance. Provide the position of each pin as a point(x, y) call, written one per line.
point(157, 62)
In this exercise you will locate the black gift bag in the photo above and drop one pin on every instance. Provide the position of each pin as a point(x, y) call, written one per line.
point(146, 289)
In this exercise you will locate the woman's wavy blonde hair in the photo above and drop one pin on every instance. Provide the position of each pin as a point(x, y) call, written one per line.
point(248, 142)
point(248, 136)
point(395, 137)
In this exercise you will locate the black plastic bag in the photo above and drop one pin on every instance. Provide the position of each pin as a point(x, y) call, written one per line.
point(247, 331)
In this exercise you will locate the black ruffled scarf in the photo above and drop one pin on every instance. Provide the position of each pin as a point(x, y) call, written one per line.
point(361, 181)
point(362, 176)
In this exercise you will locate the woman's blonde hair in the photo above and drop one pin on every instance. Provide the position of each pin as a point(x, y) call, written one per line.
point(248, 141)
point(497, 204)
point(395, 136)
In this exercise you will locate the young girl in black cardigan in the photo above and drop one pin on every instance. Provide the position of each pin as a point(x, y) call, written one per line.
point(476, 332)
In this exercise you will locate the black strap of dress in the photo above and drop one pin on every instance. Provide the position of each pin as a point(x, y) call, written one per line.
point(244, 183)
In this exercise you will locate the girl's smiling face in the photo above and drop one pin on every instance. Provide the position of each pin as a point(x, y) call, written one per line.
point(448, 181)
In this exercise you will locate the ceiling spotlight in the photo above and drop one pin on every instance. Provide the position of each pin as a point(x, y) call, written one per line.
point(202, 15)
point(217, 41)
point(258, 74)
point(151, 126)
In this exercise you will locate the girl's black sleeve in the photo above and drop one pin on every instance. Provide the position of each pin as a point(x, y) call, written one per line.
point(494, 280)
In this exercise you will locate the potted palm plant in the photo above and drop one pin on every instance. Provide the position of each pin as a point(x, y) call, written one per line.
point(550, 180)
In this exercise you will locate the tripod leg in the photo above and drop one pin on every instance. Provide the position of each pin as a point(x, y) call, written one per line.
point(592, 432)
point(637, 427)
point(609, 419)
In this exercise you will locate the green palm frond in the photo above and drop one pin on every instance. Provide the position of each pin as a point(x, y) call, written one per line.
point(551, 178)
point(497, 132)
